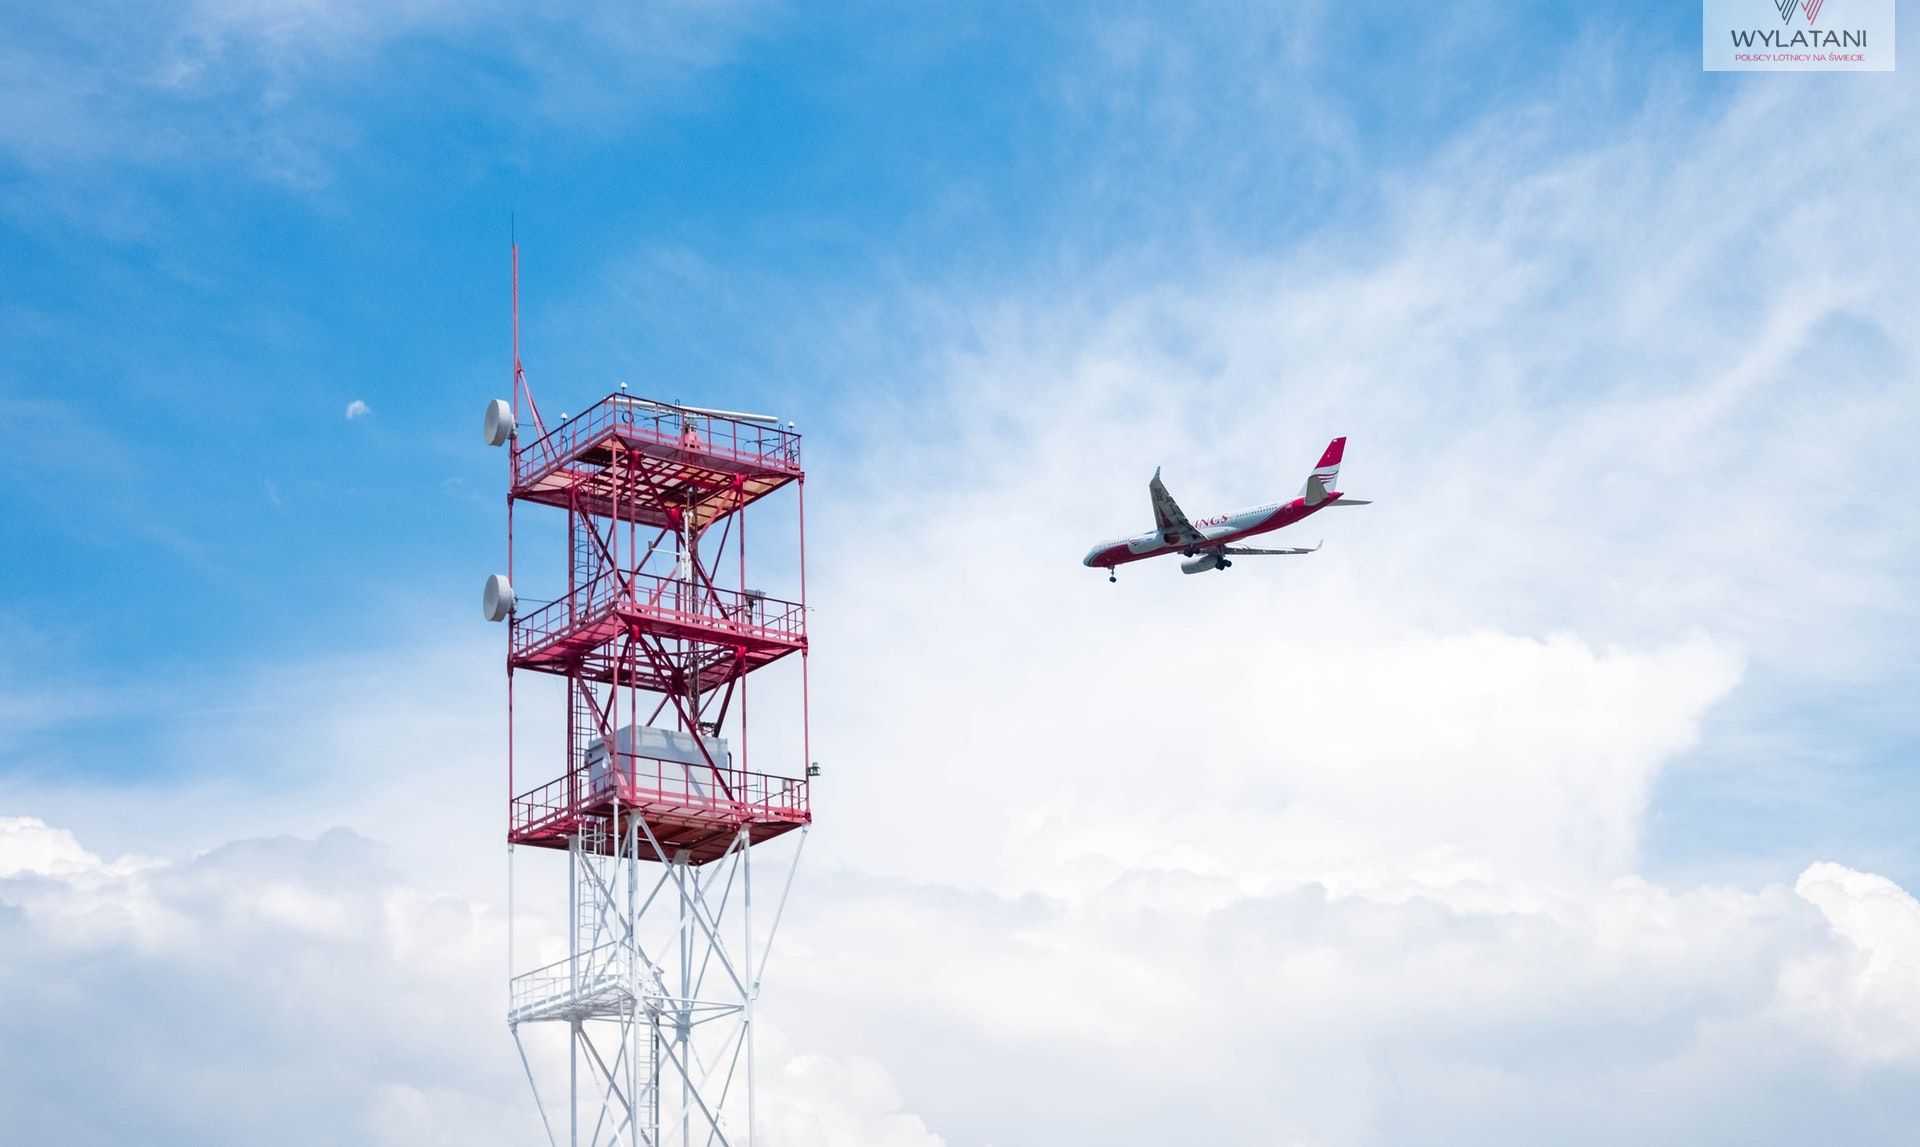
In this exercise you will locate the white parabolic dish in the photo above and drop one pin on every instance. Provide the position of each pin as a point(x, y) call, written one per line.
point(498, 424)
point(497, 600)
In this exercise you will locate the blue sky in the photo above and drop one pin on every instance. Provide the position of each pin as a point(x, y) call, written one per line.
point(1629, 343)
point(232, 229)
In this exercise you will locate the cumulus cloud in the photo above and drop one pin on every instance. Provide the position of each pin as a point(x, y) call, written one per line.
point(319, 996)
point(30, 846)
point(1881, 921)
point(818, 1101)
point(292, 991)
point(229, 962)
point(1425, 1009)
point(357, 409)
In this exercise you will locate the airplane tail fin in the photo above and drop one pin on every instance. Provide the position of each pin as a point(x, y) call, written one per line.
point(1326, 475)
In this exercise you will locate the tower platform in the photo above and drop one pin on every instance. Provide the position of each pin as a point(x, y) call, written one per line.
point(732, 632)
point(631, 460)
point(697, 810)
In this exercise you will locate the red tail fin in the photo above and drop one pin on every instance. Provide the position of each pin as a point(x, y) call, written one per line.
point(1326, 473)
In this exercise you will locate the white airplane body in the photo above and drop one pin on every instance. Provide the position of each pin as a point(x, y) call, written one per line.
point(1208, 543)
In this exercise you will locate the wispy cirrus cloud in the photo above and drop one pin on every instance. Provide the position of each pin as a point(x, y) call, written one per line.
point(282, 91)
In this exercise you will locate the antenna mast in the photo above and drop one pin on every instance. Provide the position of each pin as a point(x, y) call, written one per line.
point(519, 371)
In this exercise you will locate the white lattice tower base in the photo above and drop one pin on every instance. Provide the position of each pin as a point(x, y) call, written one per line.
point(655, 997)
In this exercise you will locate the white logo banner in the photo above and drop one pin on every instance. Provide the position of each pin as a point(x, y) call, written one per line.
point(1797, 35)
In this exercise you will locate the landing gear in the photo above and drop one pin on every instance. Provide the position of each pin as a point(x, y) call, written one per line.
point(1224, 564)
point(1112, 577)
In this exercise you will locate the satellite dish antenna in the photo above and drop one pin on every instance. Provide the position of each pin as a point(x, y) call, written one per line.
point(497, 600)
point(498, 425)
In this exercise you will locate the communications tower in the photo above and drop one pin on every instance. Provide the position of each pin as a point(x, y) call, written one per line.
point(644, 788)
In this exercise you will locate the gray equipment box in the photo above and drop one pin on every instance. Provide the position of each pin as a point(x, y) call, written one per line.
point(678, 752)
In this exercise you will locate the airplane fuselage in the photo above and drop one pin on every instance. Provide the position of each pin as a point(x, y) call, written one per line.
point(1219, 530)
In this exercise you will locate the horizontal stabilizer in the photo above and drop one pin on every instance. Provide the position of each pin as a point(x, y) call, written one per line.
point(1351, 502)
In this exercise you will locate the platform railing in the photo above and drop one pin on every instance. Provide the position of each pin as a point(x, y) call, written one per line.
point(644, 782)
point(745, 442)
point(543, 805)
point(584, 606)
point(597, 972)
point(725, 611)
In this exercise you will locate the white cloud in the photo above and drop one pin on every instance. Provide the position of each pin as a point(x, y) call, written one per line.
point(357, 409)
point(815, 1101)
point(30, 845)
point(319, 997)
point(1880, 1018)
point(290, 991)
point(1403, 1011)
point(266, 991)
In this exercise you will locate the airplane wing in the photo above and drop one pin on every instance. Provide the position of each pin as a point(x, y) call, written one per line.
point(1175, 529)
point(1238, 550)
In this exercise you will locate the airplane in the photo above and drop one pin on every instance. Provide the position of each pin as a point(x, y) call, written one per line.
point(1208, 543)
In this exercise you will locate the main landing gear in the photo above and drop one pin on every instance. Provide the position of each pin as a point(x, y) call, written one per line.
point(1112, 576)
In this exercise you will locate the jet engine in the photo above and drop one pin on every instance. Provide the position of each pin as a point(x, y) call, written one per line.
point(1201, 563)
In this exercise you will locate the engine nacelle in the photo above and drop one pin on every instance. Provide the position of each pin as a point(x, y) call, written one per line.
point(1201, 563)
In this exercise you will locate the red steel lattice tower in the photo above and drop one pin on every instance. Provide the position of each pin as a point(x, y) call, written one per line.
point(651, 636)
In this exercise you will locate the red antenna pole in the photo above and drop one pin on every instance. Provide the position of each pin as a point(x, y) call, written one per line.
point(520, 371)
point(518, 376)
